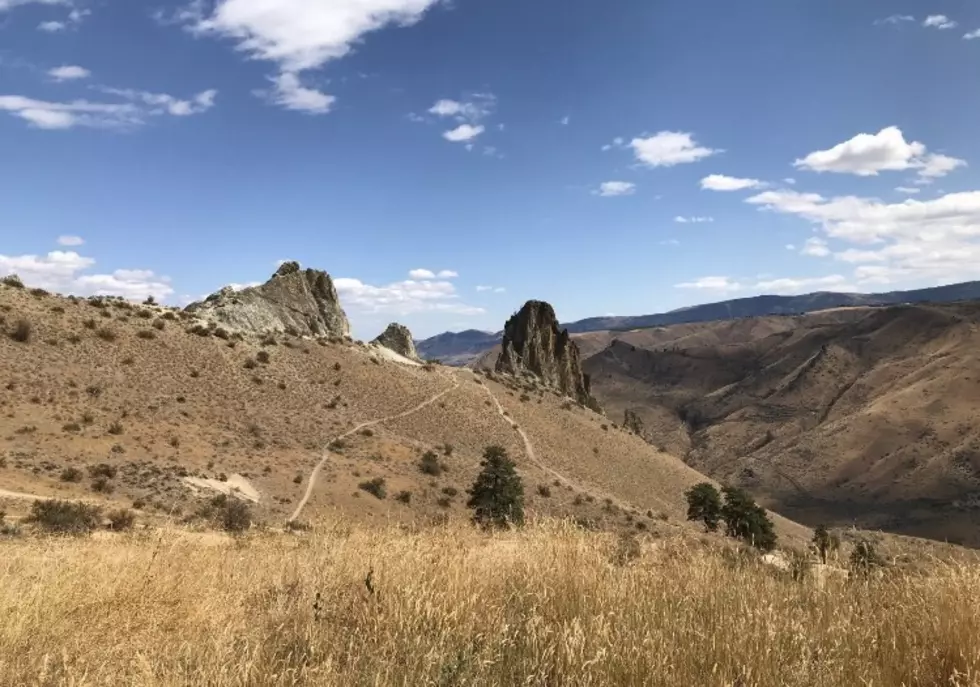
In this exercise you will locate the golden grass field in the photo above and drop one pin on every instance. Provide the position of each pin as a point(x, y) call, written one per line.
point(547, 605)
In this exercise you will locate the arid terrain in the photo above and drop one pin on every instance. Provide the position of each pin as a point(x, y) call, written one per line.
point(851, 416)
point(177, 412)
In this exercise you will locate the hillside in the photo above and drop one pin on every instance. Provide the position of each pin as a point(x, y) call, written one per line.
point(854, 416)
point(466, 347)
point(174, 409)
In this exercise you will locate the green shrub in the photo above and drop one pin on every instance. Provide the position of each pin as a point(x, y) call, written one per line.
point(71, 475)
point(236, 516)
point(13, 281)
point(121, 520)
point(64, 517)
point(106, 334)
point(375, 487)
point(429, 464)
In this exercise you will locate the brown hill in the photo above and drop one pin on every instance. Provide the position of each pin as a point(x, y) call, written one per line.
point(838, 420)
point(137, 404)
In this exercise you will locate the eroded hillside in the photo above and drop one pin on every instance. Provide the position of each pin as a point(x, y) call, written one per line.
point(864, 417)
point(130, 404)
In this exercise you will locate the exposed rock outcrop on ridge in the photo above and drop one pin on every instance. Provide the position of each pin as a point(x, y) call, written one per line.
point(398, 338)
point(303, 302)
point(534, 344)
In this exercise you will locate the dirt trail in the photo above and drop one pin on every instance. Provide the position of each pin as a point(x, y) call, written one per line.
point(326, 453)
point(4, 494)
point(533, 459)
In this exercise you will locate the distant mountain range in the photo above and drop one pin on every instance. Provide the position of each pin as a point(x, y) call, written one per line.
point(459, 348)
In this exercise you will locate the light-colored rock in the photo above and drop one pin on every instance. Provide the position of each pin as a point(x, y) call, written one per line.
point(399, 339)
point(303, 302)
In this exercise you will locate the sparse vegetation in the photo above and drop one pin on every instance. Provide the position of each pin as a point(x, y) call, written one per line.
point(71, 475)
point(147, 334)
point(262, 357)
point(21, 331)
point(121, 520)
point(404, 497)
point(375, 487)
point(106, 334)
point(429, 464)
point(64, 517)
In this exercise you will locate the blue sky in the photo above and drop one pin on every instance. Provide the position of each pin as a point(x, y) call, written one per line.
point(610, 157)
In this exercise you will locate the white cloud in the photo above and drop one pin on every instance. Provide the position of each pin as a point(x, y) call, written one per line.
point(790, 246)
point(763, 285)
point(69, 72)
point(75, 17)
point(789, 180)
point(786, 286)
point(973, 35)
point(896, 19)
point(300, 34)
point(936, 165)
point(495, 289)
point(484, 288)
point(447, 274)
point(815, 247)
point(907, 189)
point(403, 298)
point(64, 272)
point(670, 242)
point(292, 95)
point(136, 107)
point(68, 240)
point(463, 133)
point(669, 148)
point(693, 220)
point(617, 142)
point(609, 189)
point(711, 284)
point(869, 154)
point(565, 121)
point(936, 241)
point(476, 107)
point(422, 274)
point(939, 21)
point(720, 182)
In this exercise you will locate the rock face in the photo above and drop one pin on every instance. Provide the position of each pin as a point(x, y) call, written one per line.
point(632, 422)
point(303, 302)
point(399, 339)
point(533, 344)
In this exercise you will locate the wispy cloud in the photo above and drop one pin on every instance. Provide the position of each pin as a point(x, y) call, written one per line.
point(609, 189)
point(69, 73)
point(939, 21)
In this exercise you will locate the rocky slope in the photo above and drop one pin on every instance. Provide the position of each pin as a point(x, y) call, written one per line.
point(534, 345)
point(869, 419)
point(398, 338)
point(297, 301)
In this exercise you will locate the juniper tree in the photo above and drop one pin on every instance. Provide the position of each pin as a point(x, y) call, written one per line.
point(497, 495)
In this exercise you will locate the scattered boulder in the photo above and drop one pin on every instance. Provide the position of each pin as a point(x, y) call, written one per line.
point(534, 345)
point(398, 338)
point(294, 300)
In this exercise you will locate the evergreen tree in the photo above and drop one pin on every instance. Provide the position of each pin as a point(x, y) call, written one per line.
point(747, 521)
point(704, 504)
point(821, 542)
point(497, 495)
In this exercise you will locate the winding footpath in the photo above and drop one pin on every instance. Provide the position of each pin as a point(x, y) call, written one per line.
point(326, 452)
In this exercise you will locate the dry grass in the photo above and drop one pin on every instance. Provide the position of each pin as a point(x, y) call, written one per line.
point(450, 606)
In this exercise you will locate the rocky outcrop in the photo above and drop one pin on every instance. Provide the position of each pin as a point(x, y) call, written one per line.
point(399, 339)
point(632, 422)
point(297, 301)
point(533, 344)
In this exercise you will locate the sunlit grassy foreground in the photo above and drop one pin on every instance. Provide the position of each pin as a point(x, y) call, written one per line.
point(550, 605)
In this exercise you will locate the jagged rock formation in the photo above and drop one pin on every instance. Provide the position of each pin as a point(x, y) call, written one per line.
point(632, 422)
point(302, 302)
point(399, 339)
point(534, 344)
